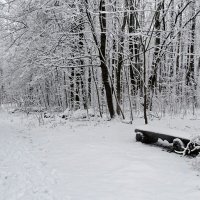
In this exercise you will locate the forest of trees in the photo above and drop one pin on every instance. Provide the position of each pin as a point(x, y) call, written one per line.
point(118, 57)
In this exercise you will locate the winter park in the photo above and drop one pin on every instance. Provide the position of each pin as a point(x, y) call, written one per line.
point(99, 99)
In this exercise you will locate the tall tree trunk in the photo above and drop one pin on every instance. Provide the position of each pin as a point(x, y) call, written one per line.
point(145, 86)
point(134, 47)
point(72, 99)
point(156, 58)
point(104, 69)
point(120, 61)
point(190, 62)
point(190, 74)
point(65, 91)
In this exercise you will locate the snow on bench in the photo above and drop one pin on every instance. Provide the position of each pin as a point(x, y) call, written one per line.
point(166, 131)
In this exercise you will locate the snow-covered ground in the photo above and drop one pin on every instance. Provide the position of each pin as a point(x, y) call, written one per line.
point(90, 160)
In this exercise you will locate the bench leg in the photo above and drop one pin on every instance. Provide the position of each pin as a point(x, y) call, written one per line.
point(178, 145)
point(140, 137)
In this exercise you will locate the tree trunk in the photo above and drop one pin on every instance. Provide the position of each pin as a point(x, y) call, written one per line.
point(120, 61)
point(134, 47)
point(104, 69)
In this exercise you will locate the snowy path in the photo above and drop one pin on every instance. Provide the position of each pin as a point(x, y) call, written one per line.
point(22, 175)
point(89, 161)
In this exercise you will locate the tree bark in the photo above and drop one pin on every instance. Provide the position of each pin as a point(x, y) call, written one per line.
point(104, 69)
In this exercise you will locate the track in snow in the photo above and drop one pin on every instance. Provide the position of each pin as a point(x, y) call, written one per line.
point(22, 174)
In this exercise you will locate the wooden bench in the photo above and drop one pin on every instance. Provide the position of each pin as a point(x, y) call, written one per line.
point(181, 144)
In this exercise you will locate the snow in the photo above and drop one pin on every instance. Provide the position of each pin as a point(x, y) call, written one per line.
point(78, 114)
point(91, 160)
